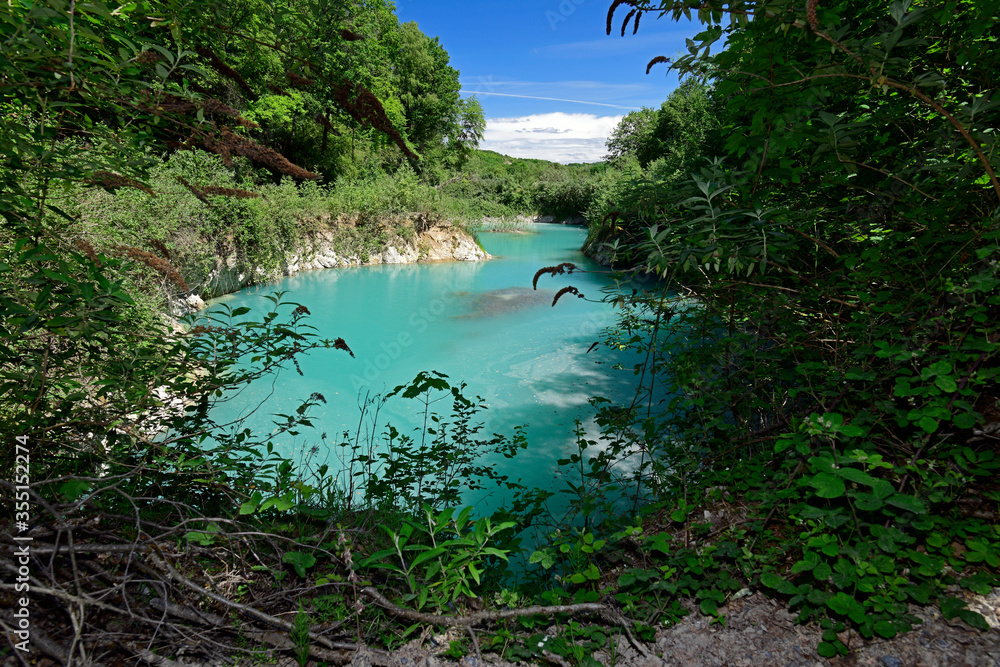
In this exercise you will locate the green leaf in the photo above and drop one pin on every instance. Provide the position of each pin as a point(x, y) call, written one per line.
point(709, 607)
point(827, 485)
point(965, 420)
point(823, 464)
point(73, 489)
point(841, 603)
point(928, 423)
point(300, 561)
point(856, 476)
point(951, 606)
point(377, 556)
point(975, 620)
point(898, 9)
point(946, 384)
point(882, 489)
point(868, 502)
point(884, 629)
point(908, 503)
point(250, 506)
point(771, 580)
point(427, 555)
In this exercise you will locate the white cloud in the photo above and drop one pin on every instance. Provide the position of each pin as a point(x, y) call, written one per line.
point(557, 136)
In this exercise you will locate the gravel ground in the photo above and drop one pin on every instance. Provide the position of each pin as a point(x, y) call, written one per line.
point(761, 631)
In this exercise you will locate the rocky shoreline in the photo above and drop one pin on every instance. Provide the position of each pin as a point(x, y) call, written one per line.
point(424, 239)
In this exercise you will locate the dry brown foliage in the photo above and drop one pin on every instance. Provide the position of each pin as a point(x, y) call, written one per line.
point(277, 91)
point(161, 248)
point(88, 250)
point(148, 57)
point(225, 70)
point(559, 269)
point(325, 122)
point(811, 14)
point(340, 344)
point(298, 80)
point(195, 191)
point(654, 61)
point(158, 264)
point(627, 18)
point(227, 143)
point(112, 181)
point(229, 192)
point(363, 106)
point(611, 12)
point(179, 105)
point(566, 290)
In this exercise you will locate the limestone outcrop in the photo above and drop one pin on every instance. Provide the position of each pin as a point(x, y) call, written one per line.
point(323, 244)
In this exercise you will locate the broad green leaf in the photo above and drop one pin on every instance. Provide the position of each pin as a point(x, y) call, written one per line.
point(73, 489)
point(827, 485)
point(826, 649)
point(946, 383)
point(770, 579)
point(300, 561)
point(250, 506)
point(950, 606)
point(868, 502)
point(907, 502)
point(856, 476)
point(974, 619)
point(884, 629)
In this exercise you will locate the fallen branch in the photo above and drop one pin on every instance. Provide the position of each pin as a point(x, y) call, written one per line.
point(174, 575)
point(469, 620)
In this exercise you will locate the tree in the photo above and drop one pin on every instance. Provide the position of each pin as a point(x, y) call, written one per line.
point(686, 128)
point(631, 135)
point(468, 128)
point(428, 88)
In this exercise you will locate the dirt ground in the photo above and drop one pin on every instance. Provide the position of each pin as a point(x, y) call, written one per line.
point(761, 631)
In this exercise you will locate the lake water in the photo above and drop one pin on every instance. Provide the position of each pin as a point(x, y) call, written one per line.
point(477, 322)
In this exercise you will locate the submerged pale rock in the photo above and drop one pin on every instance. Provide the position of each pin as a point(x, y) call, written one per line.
point(506, 300)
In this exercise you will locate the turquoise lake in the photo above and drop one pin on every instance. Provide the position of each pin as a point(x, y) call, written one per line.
point(477, 322)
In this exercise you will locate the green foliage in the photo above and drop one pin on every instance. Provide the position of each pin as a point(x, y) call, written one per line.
point(445, 457)
point(436, 116)
point(493, 185)
point(442, 558)
point(299, 635)
point(631, 135)
point(835, 362)
point(652, 152)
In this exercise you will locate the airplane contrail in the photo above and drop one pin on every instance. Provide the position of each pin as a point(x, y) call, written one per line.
point(550, 99)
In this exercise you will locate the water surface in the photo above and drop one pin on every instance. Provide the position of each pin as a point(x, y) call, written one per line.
point(477, 322)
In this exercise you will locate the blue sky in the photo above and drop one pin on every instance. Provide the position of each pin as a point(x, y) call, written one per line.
point(552, 83)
